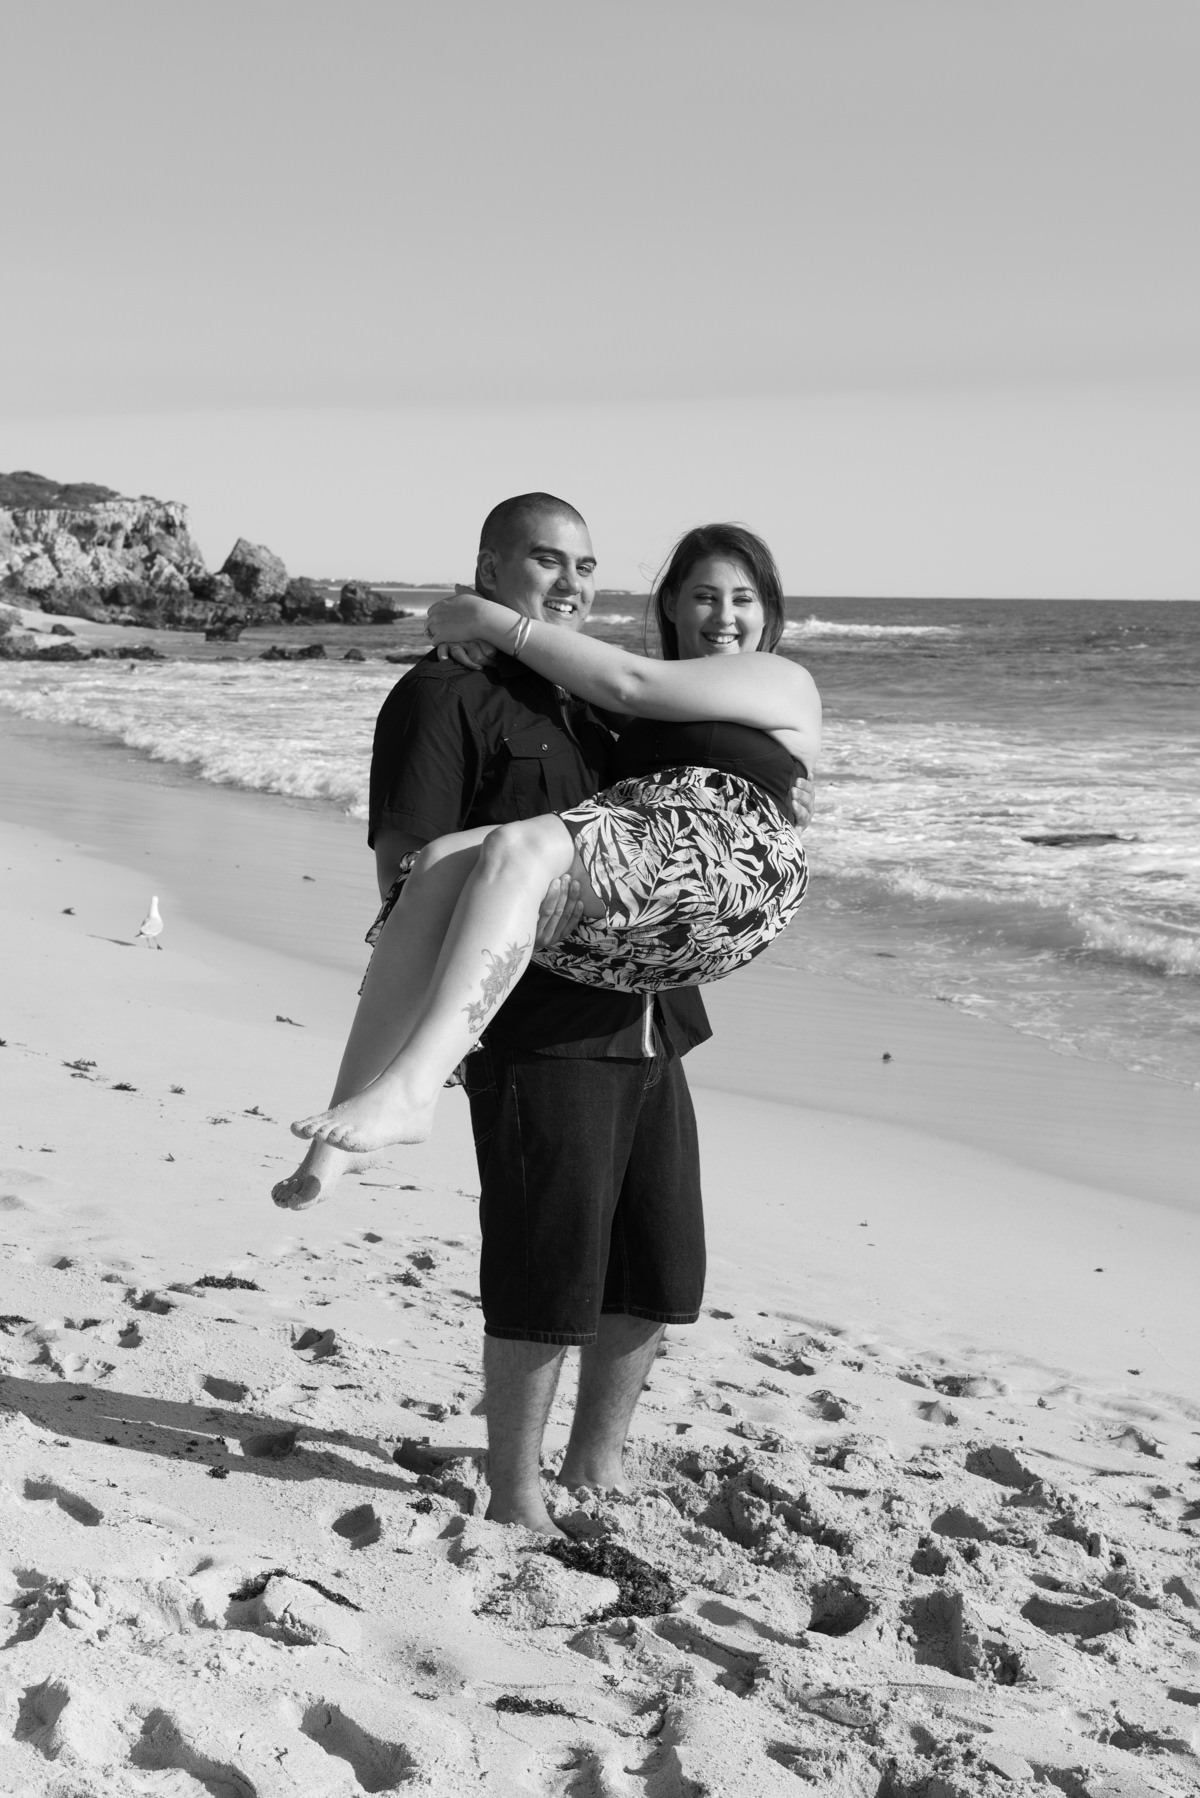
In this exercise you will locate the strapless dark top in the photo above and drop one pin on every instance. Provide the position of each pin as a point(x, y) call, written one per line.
point(647, 744)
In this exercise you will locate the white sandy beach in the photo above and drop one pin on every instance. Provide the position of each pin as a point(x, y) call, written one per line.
point(917, 1503)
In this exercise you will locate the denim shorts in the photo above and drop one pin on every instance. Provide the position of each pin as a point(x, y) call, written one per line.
point(590, 1192)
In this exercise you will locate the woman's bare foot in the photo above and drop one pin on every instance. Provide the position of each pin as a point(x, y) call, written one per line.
point(316, 1179)
point(381, 1114)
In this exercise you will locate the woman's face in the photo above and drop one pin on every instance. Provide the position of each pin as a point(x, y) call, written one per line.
point(717, 611)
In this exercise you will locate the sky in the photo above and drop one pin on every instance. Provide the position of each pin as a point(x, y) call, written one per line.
point(911, 286)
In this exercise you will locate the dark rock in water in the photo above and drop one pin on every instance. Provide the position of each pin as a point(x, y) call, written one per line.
point(304, 599)
point(275, 652)
point(64, 652)
point(61, 630)
point(359, 603)
point(388, 609)
point(1073, 839)
point(224, 629)
point(354, 655)
point(26, 646)
point(255, 571)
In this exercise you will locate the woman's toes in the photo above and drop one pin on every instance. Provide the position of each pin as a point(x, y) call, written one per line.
point(297, 1192)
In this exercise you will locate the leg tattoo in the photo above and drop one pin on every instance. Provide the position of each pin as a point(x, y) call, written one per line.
point(496, 983)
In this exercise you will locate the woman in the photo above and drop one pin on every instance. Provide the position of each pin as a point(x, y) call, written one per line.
point(686, 867)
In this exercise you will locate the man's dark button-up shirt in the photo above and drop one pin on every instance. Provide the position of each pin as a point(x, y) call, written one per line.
point(458, 747)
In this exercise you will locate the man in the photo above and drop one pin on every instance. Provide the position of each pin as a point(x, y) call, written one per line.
point(584, 1131)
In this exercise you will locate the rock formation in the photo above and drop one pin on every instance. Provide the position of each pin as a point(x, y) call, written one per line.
point(255, 571)
point(307, 601)
point(358, 603)
point(84, 551)
point(59, 541)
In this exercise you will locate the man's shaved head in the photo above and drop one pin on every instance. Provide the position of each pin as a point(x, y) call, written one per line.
point(513, 519)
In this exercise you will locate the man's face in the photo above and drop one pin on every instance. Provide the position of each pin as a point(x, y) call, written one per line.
point(548, 573)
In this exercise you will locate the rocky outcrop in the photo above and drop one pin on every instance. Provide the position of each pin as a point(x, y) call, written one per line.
point(358, 603)
point(58, 541)
point(256, 573)
point(80, 550)
point(307, 602)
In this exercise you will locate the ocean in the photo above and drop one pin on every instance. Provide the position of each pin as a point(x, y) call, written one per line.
point(1008, 812)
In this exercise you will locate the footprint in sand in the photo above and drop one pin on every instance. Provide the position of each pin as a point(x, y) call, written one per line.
point(1137, 1442)
point(148, 1300)
point(270, 1445)
point(228, 1392)
point(69, 1365)
point(377, 1764)
point(360, 1527)
point(999, 1464)
point(1081, 1618)
point(61, 1718)
point(43, 1489)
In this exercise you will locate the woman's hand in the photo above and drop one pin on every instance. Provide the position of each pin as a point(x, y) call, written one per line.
point(463, 617)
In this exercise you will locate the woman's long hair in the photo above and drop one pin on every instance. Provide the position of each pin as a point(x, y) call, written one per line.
point(734, 543)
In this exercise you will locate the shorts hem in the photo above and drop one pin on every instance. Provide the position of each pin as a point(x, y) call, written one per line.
point(583, 1338)
point(653, 1317)
point(555, 1338)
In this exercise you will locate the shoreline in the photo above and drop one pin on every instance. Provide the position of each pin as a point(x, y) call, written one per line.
point(811, 1040)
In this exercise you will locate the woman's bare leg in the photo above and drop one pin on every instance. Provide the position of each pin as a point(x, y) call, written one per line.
point(486, 950)
point(397, 981)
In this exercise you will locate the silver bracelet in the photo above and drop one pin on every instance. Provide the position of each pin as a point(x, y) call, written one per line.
point(521, 631)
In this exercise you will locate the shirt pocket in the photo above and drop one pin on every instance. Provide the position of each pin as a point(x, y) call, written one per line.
point(542, 770)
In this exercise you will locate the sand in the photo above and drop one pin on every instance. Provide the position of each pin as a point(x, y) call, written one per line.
point(916, 1505)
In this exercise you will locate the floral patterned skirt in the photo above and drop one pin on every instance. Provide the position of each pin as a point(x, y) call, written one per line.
point(697, 871)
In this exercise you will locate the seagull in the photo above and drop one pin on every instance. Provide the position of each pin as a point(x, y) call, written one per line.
point(152, 925)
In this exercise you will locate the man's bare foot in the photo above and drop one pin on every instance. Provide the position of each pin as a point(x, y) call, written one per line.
point(316, 1179)
point(372, 1119)
point(602, 1480)
point(529, 1513)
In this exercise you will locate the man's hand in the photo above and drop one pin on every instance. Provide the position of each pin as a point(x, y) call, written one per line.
point(468, 655)
point(803, 797)
point(560, 912)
